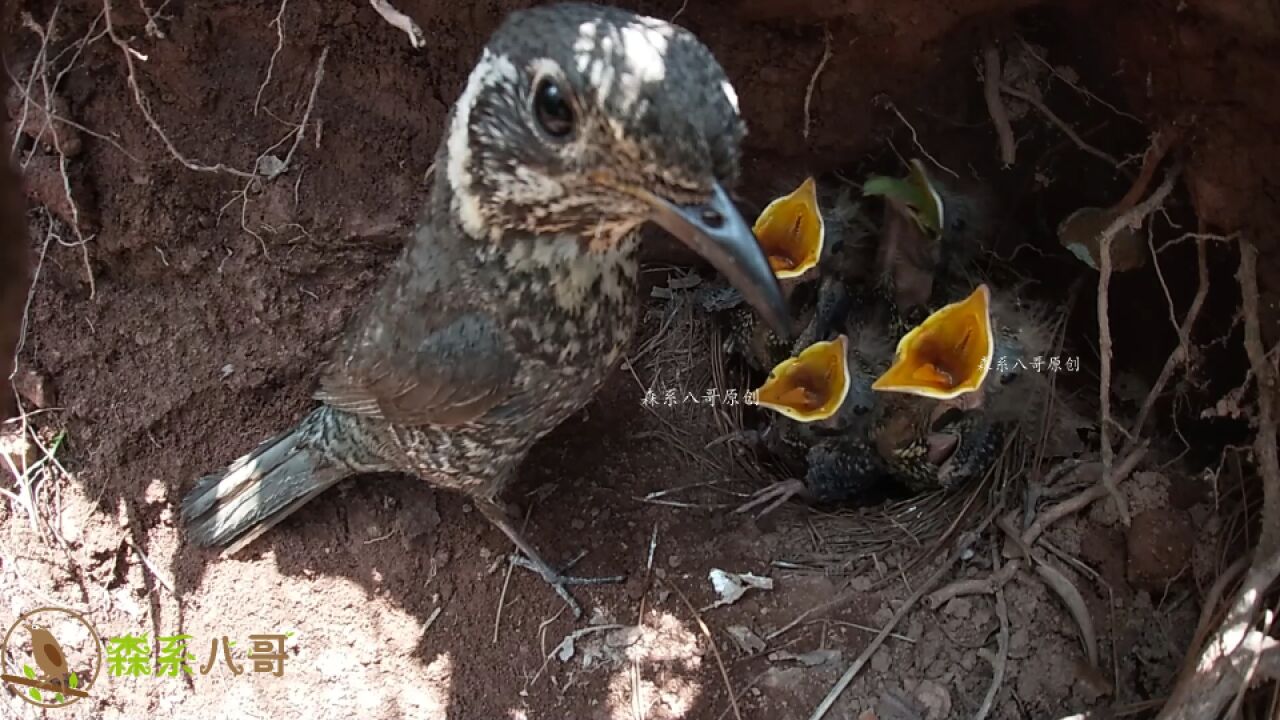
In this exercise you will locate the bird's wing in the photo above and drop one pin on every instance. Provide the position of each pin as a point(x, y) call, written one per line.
point(456, 373)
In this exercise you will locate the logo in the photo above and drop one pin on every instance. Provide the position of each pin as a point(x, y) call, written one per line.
point(52, 657)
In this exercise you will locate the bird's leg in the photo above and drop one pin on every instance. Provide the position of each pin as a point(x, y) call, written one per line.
point(778, 493)
point(531, 560)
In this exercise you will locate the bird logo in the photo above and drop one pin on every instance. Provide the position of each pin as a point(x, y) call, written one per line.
point(59, 673)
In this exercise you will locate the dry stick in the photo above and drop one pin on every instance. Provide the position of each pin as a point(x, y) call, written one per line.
point(1182, 353)
point(1078, 88)
point(999, 115)
point(1226, 661)
point(1001, 659)
point(1083, 499)
point(728, 686)
point(961, 547)
point(1264, 447)
point(279, 23)
point(1132, 218)
point(975, 586)
point(142, 104)
point(915, 139)
point(400, 21)
point(306, 115)
point(1039, 105)
point(813, 80)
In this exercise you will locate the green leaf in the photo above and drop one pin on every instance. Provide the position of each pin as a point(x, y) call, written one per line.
point(58, 698)
point(35, 695)
point(73, 681)
point(901, 190)
point(29, 672)
point(57, 443)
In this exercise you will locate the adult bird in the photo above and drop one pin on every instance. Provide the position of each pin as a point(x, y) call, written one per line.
point(517, 294)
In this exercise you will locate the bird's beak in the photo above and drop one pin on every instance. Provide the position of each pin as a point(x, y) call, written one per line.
point(947, 355)
point(791, 232)
point(810, 386)
point(716, 231)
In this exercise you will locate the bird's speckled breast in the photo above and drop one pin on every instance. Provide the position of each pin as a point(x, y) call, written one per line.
point(571, 317)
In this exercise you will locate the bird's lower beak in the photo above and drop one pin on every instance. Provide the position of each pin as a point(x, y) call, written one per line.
point(716, 231)
point(810, 386)
point(946, 356)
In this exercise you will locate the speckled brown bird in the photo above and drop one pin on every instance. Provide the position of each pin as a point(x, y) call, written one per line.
point(517, 294)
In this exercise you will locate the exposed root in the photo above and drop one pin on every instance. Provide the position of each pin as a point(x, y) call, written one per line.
point(1132, 218)
point(813, 81)
point(995, 106)
point(401, 22)
point(278, 22)
point(141, 101)
point(1000, 660)
point(1062, 125)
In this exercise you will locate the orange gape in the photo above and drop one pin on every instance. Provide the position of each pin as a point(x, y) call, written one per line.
point(811, 386)
point(790, 231)
point(947, 355)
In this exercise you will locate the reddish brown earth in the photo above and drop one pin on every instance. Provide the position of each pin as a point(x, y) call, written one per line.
point(196, 339)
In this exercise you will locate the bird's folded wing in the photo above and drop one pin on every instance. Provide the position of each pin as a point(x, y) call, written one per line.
point(457, 373)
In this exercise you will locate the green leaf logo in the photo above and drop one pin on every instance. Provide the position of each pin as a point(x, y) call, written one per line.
point(73, 681)
point(35, 695)
point(29, 672)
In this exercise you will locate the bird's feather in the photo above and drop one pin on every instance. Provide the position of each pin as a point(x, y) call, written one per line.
point(456, 374)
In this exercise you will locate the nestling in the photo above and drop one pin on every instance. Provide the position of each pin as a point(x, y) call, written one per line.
point(517, 294)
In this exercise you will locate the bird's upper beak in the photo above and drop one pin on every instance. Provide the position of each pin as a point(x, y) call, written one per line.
point(947, 355)
point(810, 386)
point(716, 231)
point(791, 232)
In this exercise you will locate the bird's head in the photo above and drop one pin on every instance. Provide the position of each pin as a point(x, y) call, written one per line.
point(588, 121)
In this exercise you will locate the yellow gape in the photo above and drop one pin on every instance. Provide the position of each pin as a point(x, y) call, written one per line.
point(811, 386)
point(790, 231)
point(948, 354)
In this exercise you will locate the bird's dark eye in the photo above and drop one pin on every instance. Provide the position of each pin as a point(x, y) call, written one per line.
point(551, 108)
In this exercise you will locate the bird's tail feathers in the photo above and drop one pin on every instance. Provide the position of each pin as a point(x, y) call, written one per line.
point(233, 507)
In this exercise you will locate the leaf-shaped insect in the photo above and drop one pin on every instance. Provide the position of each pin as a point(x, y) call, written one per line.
point(73, 681)
point(35, 695)
point(29, 672)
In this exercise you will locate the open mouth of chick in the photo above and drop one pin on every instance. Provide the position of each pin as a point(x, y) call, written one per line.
point(790, 231)
point(947, 355)
point(810, 386)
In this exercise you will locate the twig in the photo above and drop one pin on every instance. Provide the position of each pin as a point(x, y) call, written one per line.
point(1080, 89)
point(915, 139)
point(961, 547)
point(999, 115)
point(1264, 446)
point(152, 567)
point(400, 21)
point(142, 104)
point(279, 23)
point(1232, 650)
point(1001, 659)
point(1038, 104)
point(724, 674)
point(680, 11)
point(1132, 218)
point(813, 80)
point(975, 586)
point(1083, 499)
point(306, 114)
point(1182, 353)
